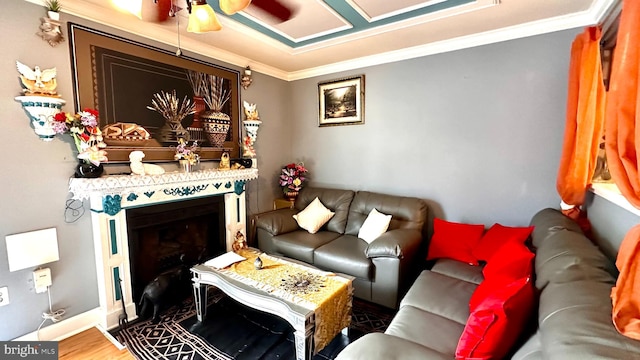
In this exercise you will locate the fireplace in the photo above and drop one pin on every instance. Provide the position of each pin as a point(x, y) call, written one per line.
point(166, 236)
point(156, 218)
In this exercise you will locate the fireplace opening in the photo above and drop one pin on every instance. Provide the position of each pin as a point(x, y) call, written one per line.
point(160, 235)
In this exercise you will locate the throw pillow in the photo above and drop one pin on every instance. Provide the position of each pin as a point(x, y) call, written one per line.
point(314, 216)
point(496, 323)
point(374, 225)
point(454, 241)
point(497, 236)
point(513, 260)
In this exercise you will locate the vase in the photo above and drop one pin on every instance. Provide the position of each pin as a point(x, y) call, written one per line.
point(41, 110)
point(172, 130)
point(53, 15)
point(291, 195)
point(88, 170)
point(186, 166)
point(216, 126)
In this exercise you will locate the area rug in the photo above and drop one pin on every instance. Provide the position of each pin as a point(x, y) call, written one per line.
point(234, 331)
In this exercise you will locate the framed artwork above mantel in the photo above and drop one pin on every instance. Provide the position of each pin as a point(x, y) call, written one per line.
point(119, 77)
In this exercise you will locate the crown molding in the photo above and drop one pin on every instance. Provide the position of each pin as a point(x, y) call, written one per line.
point(587, 18)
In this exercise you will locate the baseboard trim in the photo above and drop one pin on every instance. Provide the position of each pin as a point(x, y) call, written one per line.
point(65, 328)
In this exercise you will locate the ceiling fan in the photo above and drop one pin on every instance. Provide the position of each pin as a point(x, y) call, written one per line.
point(161, 10)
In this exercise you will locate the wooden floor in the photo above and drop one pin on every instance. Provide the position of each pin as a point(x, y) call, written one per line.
point(91, 344)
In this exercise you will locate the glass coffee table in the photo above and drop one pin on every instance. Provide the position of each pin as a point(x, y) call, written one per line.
point(317, 304)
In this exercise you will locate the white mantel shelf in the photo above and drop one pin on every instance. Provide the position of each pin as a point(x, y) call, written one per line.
point(109, 198)
point(135, 188)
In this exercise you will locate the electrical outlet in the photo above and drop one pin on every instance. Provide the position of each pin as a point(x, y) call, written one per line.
point(4, 296)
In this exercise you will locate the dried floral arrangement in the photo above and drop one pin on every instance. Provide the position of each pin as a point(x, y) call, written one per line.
point(168, 105)
point(217, 95)
point(199, 82)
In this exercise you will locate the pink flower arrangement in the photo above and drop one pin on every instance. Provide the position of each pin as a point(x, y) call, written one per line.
point(292, 177)
point(187, 152)
point(83, 128)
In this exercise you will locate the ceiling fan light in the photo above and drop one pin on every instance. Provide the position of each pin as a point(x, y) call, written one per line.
point(202, 18)
point(231, 7)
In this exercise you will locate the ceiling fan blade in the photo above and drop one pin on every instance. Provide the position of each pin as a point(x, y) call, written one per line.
point(274, 8)
point(155, 10)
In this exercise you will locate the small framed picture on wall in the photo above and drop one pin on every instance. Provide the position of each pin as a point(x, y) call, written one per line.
point(341, 101)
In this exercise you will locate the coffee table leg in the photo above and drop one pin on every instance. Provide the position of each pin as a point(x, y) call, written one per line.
point(304, 345)
point(200, 298)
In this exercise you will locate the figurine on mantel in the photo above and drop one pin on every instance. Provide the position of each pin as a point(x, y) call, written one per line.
point(225, 162)
point(138, 168)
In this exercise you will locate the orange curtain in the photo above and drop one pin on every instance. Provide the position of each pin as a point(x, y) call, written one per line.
point(622, 155)
point(584, 121)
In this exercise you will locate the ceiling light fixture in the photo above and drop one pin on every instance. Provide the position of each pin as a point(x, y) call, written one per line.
point(201, 17)
point(231, 7)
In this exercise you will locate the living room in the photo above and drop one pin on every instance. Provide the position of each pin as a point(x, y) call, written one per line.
point(476, 132)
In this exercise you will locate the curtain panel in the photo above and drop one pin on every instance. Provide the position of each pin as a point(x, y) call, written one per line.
point(584, 119)
point(622, 119)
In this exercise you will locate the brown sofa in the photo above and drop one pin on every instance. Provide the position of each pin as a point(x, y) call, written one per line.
point(573, 321)
point(383, 269)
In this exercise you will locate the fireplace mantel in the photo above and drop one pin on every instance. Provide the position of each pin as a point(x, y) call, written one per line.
point(109, 198)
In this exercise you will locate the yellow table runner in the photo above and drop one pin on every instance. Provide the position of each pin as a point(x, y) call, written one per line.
point(328, 295)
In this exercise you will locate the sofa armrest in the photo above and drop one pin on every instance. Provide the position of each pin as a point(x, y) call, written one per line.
point(277, 221)
point(398, 243)
point(387, 347)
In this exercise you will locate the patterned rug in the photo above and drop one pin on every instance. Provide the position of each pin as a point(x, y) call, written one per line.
point(233, 331)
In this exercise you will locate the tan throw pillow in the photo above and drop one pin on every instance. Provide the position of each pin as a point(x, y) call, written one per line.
point(375, 225)
point(313, 216)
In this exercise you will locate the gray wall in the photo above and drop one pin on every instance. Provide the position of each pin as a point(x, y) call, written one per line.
point(609, 222)
point(35, 174)
point(475, 132)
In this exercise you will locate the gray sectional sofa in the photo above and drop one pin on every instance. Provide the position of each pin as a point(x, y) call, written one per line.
point(383, 270)
point(573, 321)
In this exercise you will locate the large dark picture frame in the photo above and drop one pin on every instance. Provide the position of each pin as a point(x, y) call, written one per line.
point(118, 77)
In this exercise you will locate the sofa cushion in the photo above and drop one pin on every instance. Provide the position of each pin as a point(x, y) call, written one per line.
point(498, 235)
point(388, 347)
point(346, 254)
point(497, 321)
point(300, 244)
point(441, 295)
point(454, 240)
point(314, 216)
point(581, 328)
point(335, 200)
point(375, 225)
point(549, 221)
point(513, 260)
point(569, 256)
point(459, 270)
point(427, 329)
point(406, 212)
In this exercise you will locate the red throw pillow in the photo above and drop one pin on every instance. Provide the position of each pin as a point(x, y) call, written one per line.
point(497, 236)
point(454, 241)
point(513, 260)
point(496, 323)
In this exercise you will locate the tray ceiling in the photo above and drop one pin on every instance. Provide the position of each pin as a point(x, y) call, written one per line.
point(336, 35)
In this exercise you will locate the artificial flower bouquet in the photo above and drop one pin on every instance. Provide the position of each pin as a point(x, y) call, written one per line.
point(83, 128)
point(184, 151)
point(292, 177)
